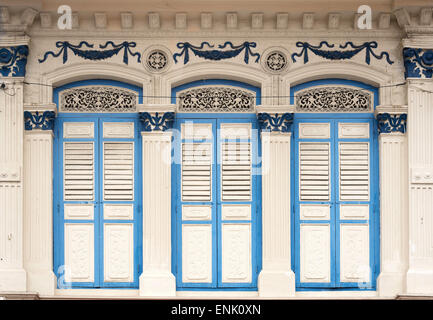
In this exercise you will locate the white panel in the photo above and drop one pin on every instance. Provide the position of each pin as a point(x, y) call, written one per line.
point(197, 253)
point(315, 253)
point(236, 253)
point(119, 211)
point(354, 253)
point(236, 212)
point(78, 170)
point(196, 212)
point(354, 171)
point(78, 130)
point(79, 252)
point(314, 171)
point(236, 171)
point(354, 211)
point(314, 130)
point(79, 211)
point(118, 129)
point(118, 252)
point(197, 131)
point(196, 172)
point(353, 130)
point(315, 211)
point(235, 130)
point(118, 170)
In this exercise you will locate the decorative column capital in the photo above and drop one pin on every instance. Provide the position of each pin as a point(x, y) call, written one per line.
point(36, 120)
point(418, 63)
point(391, 119)
point(13, 61)
point(39, 117)
point(157, 117)
point(275, 118)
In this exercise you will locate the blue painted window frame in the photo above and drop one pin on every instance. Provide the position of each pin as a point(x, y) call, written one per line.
point(58, 212)
point(225, 117)
point(374, 218)
point(256, 221)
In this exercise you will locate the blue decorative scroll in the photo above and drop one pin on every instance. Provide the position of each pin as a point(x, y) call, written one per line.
point(417, 61)
point(340, 55)
point(93, 54)
point(281, 123)
point(388, 123)
point(157, 122)
point(35, 120)
point(13, 61)
point(216, 54)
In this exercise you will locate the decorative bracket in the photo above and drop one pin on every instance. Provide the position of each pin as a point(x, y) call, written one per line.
point(418, 62)
point(391, 119)
point(13, 61)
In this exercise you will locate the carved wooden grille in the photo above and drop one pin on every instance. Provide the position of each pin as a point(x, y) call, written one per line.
point(216, 99)
point(334, 99)
point(98, 99)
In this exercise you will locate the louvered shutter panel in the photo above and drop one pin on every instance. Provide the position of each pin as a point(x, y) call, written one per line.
point(118, 170)
point(78, 171)
point(196, 171)
point(354, 171)
point(236, 171)
point(314, 171)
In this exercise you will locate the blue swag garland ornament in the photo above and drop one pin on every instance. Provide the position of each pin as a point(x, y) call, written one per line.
point(338, 54)
point(93, 54)
point(216, 54)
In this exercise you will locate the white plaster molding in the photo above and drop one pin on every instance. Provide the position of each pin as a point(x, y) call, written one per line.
point(219, 70)
point(403, 17)
point(272, 109)
point(282, 20)
point(308, 20)
point(232, 20)
point(28, 16)
point(257, 20)
point(154, 20)
point(390, 109)
point(46, 19)
point(14, 41)
point(425, 16)
point(82, 71)
point(181, 20)
point(384, 20)
point(4, 15)
point(126, 20)
point(33, 107)
point(206, 20)
point(345, 70)
point(100, 20)
point(152, 108)
point(334, 20)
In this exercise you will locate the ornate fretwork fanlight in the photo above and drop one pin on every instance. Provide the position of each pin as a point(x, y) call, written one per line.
point(334, 99)
point(216, 99)
point(98, 99)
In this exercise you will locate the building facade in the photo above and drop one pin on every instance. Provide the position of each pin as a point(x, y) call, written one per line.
point(269, 149)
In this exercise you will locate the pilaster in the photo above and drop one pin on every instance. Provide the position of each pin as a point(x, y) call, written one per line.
point(393, 200)
point(38, 195)
point(157, 279)
point(13, 60)
point(276, 278)
point(418, 62)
